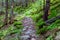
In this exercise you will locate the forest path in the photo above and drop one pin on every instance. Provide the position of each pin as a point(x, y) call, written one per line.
point(29, 31)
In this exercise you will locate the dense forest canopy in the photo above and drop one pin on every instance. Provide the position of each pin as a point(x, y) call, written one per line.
point(29, 19)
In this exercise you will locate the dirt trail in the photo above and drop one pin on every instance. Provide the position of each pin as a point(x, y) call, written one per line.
point(28, 32)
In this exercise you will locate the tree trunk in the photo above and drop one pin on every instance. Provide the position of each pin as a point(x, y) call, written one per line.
point(1, 8)
point(2, 3)
point(46, 10)
point(6, 15)
point(26, 1)
point(11, 14)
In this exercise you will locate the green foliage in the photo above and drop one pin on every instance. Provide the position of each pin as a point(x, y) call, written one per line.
point(1, 24)
point(49, 38)
point(17, 23)
point(40, 22)
point(51, 27)
point(10, 30)
point(19, 9)
point(19, 17)
point(53, 14)
point(1, 20)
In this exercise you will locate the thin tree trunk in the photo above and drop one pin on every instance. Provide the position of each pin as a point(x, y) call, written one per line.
point(6, 15)
point(2, 3)
point(26, 1)
point(1, 8)
point(46, 10)
point(11, 14)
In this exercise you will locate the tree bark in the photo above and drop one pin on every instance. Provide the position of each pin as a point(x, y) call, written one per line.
point(46, 10)
point(26, 1)
point(6, 14)
point(12, 14)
